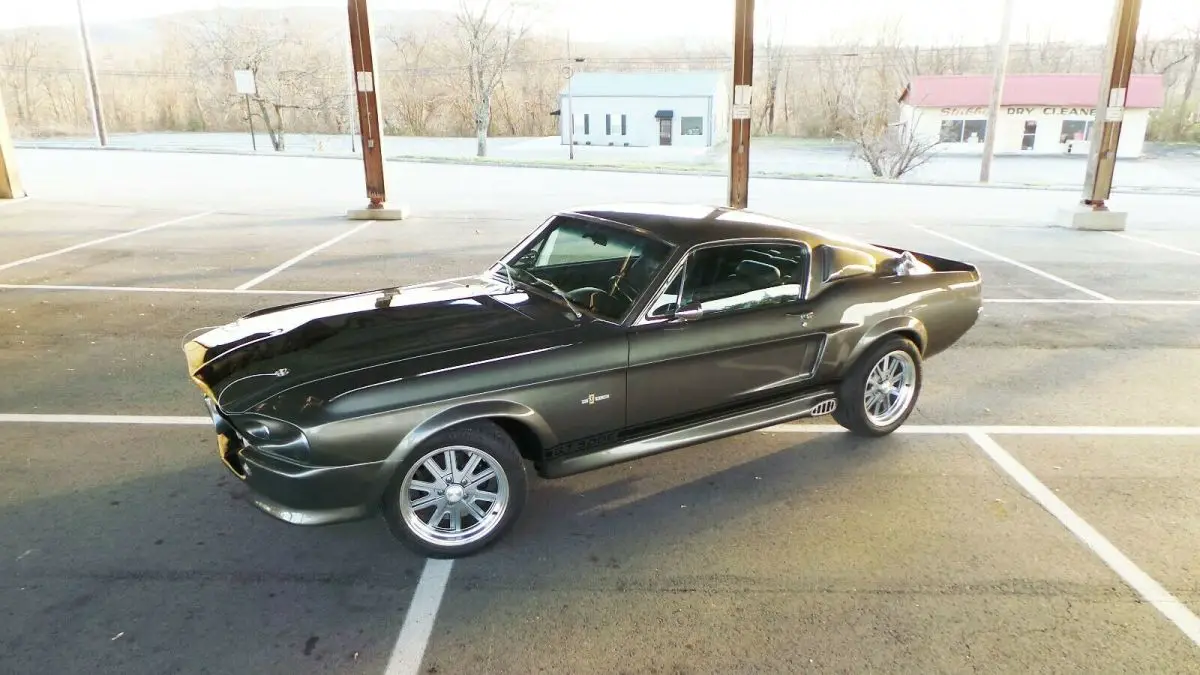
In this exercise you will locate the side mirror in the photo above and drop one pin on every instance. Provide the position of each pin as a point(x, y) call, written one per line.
point(689, 312)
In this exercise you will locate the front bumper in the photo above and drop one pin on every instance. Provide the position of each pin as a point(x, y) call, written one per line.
point(309, 495)
point(296, 493)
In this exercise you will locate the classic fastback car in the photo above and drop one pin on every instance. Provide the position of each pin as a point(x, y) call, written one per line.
point(608, 334)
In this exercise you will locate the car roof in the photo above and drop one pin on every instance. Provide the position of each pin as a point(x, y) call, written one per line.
point(687, 225)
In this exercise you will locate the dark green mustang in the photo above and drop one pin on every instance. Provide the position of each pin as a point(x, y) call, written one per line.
point(608, 334)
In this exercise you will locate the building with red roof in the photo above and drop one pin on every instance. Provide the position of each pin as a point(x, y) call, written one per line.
point(1039, 114)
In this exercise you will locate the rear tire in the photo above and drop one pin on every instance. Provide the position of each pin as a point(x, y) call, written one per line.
point(881, 389)
point(457, 493)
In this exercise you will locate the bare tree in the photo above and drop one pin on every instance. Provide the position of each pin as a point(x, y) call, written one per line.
point(1186, 112)
point(488, 45)
point(890, 148)
point(868, 111)
point(773, 62)
point(416, 98)
point(290, 74)
point(20, 53)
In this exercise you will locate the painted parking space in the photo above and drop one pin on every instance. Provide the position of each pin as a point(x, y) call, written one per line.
point(787, 552)
point(214, 251)
point(1142, 494)
point(414, 251)
point(131, 549)
point(1089, 264)
point(36, 228)
point(773, 552)
point(106, 352)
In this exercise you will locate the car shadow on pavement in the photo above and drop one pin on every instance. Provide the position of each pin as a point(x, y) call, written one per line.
point(178, 572)
point(632, 510)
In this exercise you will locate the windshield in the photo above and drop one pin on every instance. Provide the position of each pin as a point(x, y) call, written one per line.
point(600, 269)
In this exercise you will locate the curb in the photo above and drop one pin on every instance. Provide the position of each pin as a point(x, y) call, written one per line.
point(673, 170)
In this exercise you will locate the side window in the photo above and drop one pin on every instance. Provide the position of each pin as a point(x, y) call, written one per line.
point(725, 279)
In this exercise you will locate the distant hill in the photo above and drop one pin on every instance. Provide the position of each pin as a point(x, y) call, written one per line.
point(137, 31)
point(323, 20)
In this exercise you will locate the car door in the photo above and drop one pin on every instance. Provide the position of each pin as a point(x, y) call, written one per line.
point(754, 340)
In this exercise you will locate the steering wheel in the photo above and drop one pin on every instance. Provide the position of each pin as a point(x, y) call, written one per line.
point(617, 282)
point(595, 299)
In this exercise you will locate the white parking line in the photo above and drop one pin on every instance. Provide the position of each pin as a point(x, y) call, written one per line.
point(410, 646)
point(1082, 301)
point(161, 289)
point(103, 419)
point(93, 242)
point(1000, 430)
point(1010, 261)
point(409, 650)
point(1148, 242)
point(267, 275)
point(1148, 588)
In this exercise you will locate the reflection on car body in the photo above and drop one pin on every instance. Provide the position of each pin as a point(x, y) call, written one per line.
point(607, 334)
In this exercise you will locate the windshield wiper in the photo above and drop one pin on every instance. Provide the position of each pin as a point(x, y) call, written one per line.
point(508, 270)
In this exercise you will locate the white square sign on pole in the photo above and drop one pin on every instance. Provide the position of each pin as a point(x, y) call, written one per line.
point(244, 81)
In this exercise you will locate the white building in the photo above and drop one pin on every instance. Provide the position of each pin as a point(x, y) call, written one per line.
point(1039, 114)
point(687, 108)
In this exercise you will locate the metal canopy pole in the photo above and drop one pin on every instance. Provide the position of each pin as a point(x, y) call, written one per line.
point(363, 58)
point(1110, 110)
point(743, 81)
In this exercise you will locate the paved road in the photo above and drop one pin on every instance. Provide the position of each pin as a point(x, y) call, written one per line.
point(129, 549)
point(1162, 167)
point(463, 194)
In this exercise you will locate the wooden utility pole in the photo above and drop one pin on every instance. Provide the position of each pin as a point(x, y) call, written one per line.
point(89, 70)
point(1110, 109)
point(363, 57)
point(743, 81)
point(1000, 71)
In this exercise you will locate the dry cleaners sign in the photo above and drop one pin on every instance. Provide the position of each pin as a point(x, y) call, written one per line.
point(1048, 111)
point(1054, 111)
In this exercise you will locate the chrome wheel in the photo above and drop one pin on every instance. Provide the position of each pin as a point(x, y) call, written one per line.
point(891, 385)
point(454, 496)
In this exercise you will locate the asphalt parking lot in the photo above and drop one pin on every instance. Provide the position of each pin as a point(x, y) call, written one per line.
point(1011, 527)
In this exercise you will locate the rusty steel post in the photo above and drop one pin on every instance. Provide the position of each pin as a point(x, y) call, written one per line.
point(1110, 109)
point(743, 81)
point(363, 58)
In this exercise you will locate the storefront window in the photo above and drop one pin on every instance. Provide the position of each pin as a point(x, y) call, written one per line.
point(1075, 130)
point(691, 126)
point(963, 131)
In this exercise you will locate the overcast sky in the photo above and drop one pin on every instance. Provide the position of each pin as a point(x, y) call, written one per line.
point(808, 21)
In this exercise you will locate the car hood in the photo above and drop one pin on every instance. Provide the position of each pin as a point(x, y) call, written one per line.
point(268, 351)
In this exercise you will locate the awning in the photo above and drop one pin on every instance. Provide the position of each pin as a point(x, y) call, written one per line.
point(664, 114)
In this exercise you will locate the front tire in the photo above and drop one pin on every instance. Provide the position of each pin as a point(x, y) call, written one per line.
point(457, 493)
point(881, 389)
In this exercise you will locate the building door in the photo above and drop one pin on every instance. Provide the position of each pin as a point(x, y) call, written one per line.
point(1030, 134)
point(664, 131)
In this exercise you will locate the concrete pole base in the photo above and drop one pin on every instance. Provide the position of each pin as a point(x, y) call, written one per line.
point(1084, 217)
point(386, 211)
